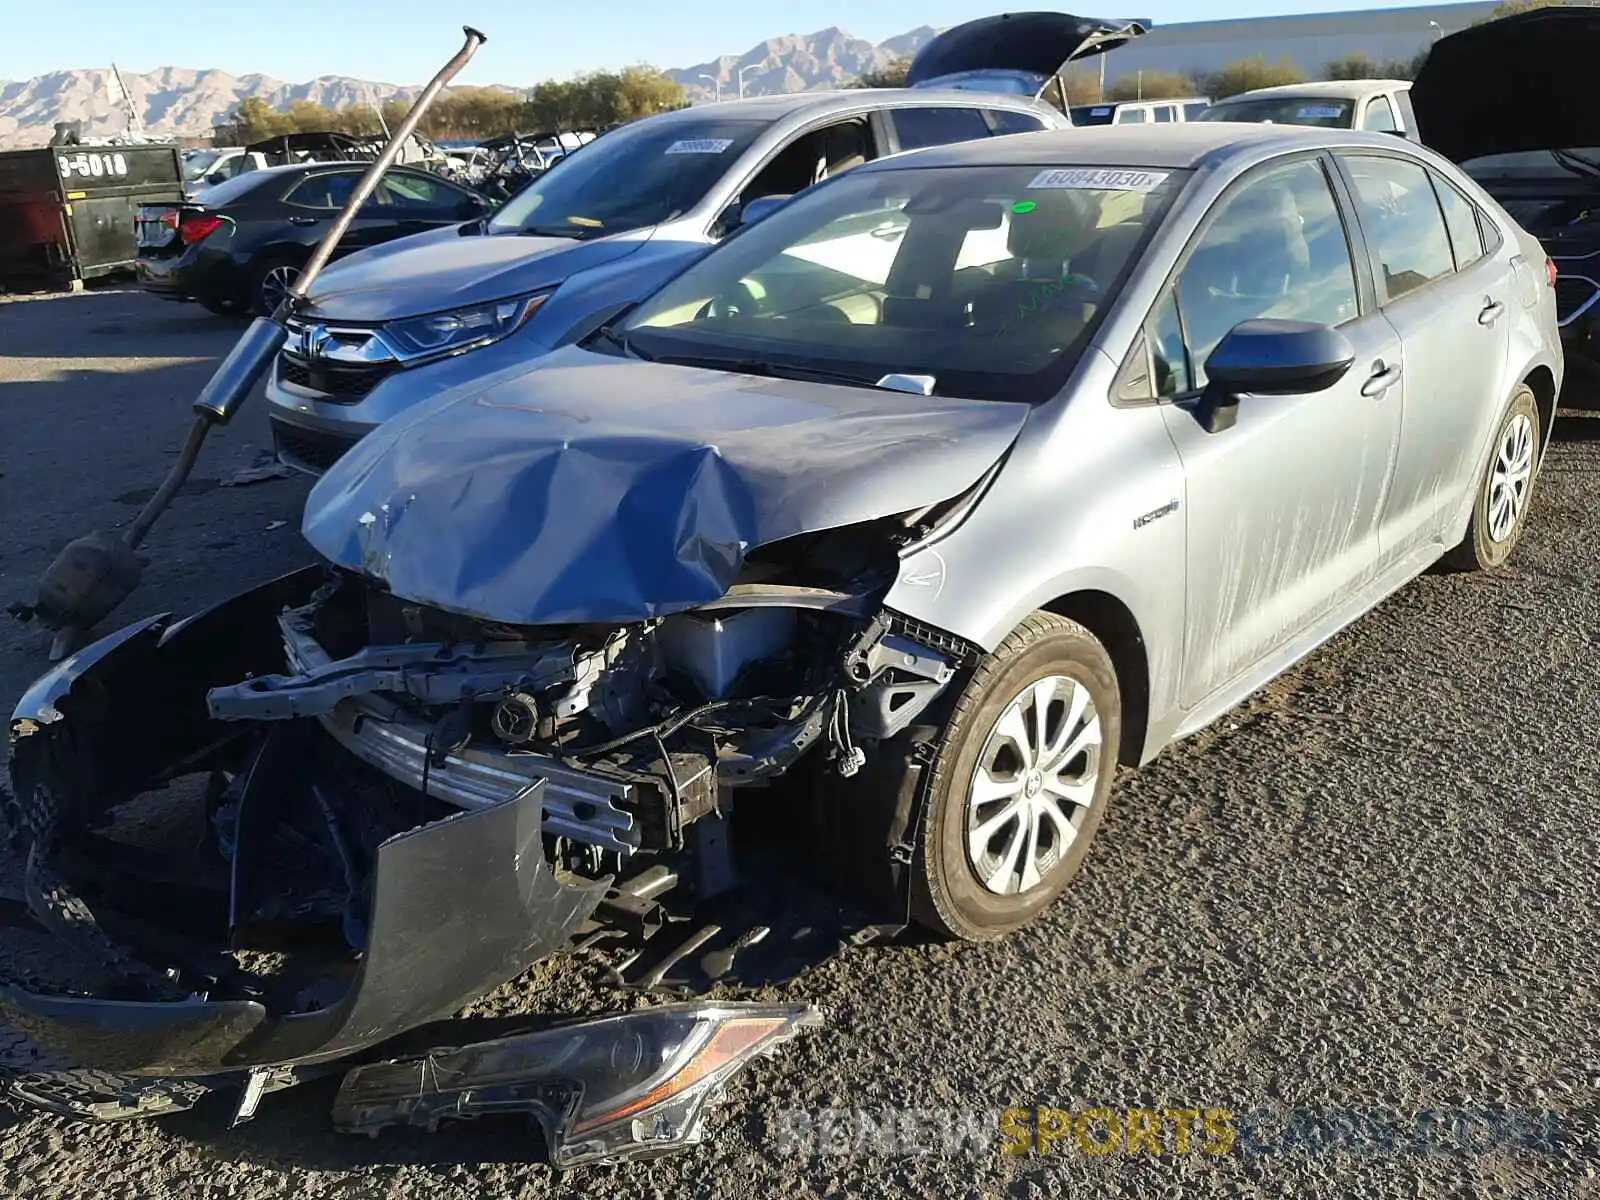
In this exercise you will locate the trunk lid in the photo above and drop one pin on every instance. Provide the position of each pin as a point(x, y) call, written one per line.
point(1517, 84)
point(1016, 52)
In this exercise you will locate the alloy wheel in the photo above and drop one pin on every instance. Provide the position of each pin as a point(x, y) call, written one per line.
point(1033, 785)
point(275, 285)
point(1511, 477)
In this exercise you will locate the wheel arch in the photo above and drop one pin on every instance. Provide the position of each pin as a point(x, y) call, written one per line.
point(1543, 382)
point(1116, 628)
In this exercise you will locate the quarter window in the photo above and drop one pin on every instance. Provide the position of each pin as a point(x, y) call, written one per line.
point(1275, 247)
point(1166, 114)
point(1403, 221)
point(1380, 116)
point(1461, 218)
point(919, 127)
point(1132, 116)
point(1013, 122)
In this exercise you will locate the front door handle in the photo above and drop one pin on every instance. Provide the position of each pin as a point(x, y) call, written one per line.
point(1492, 310)
point(1383, 378)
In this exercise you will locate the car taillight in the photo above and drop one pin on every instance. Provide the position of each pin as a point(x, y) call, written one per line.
point(1550, 271)
point(197, 229)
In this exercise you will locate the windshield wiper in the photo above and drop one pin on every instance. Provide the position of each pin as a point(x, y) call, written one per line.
point(768, 370)
point(608, 333)
point(576, 232)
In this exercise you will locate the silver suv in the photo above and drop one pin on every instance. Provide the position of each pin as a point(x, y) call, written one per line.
point(393, 325)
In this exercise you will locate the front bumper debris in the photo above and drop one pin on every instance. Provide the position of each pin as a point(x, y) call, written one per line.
point(635, 1085)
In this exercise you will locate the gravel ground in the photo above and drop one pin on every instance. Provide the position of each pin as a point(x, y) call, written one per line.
point(1370, 887)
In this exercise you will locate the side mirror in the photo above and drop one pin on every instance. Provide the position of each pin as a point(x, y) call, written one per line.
point(759, 209)
point(1271, 358)
point(216, 177)
point(470, 207)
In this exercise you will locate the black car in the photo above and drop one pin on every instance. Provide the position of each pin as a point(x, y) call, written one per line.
point(1509, 101)
point(239, 246)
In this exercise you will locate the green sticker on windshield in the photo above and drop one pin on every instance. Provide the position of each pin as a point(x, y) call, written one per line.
point(1023, 206)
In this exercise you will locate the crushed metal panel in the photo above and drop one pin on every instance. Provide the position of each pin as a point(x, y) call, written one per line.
point(586, 490)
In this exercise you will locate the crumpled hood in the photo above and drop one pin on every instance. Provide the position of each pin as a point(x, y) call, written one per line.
point(444, 268)
point(591, 488)
point(1517, 84)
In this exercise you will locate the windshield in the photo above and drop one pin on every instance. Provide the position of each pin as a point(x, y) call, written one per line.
point(1285, 110)
point(989, 279)
point(1093, 114)
point(635, 177)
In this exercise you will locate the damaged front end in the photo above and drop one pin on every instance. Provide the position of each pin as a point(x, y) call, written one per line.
point(284, 832)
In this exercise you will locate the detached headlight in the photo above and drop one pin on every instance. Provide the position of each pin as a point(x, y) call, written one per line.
point(604, 1090)
point(461, 328)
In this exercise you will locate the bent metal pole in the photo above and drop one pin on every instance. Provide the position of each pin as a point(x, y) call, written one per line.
point(369, 181)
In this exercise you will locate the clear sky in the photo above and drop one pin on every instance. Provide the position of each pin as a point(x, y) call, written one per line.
point(405, 41)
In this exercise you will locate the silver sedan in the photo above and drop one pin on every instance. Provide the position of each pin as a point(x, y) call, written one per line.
point(1111, 425)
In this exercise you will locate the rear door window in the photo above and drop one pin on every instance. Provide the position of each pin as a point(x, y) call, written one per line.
point(920, 127)
point(1403, 222)
point(1166, 113)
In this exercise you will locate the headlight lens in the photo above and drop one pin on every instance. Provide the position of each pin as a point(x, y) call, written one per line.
point(461, 328)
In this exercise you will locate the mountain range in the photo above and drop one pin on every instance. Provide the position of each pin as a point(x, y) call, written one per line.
point(181, 102)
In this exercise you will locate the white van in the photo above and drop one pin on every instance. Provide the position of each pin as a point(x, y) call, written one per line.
point(1139, 112)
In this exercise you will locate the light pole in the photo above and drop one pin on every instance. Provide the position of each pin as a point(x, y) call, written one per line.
point(717, 82)
point(742, 70)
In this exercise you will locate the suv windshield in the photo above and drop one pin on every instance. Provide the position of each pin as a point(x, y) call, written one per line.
point(1285, 110)
point(990, 279)
point(634, 177)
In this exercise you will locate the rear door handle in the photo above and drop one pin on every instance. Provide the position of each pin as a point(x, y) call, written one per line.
point(1492, 310)
point(304, 220)
point(1383, 378)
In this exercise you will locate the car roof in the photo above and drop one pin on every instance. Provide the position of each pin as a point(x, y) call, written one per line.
point(1340, 89)
point(778, 107)
point(1178, 146)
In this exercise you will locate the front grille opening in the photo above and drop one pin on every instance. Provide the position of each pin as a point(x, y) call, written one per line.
point(317, 452)
point(339, 383)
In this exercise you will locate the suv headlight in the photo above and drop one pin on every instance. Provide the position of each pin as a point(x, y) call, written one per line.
point(455, 330)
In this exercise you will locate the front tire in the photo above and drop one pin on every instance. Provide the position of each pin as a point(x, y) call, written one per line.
point(1022, 773)
point(1505, 489)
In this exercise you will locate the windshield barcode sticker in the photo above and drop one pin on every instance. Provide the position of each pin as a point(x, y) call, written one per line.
point(1314, 112)
point(700, 146)
point(1100, 179)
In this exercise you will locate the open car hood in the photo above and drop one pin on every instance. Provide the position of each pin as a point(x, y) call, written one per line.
point(1517, 84)
point(1016, 52)
point(594, 489)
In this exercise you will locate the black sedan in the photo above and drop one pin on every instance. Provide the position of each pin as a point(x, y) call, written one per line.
point(239, 247)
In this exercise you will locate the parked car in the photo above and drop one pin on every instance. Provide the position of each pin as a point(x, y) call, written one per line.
point(389, 327)
point(1140, 112)
point(1505, 101)
point(239, 246)
point(1379, 105)
point(906, 516)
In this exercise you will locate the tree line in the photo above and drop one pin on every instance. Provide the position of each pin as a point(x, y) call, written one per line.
point(603, 98)
point(595, 100)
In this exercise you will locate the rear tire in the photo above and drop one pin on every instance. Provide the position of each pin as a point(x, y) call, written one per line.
point(270, 281)
point(1504, 490)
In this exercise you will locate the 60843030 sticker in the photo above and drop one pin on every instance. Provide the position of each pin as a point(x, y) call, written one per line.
point(89, 164)
point(1100, 179)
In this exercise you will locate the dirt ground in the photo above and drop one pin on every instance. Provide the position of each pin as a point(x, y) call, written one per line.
point(1372, 887)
